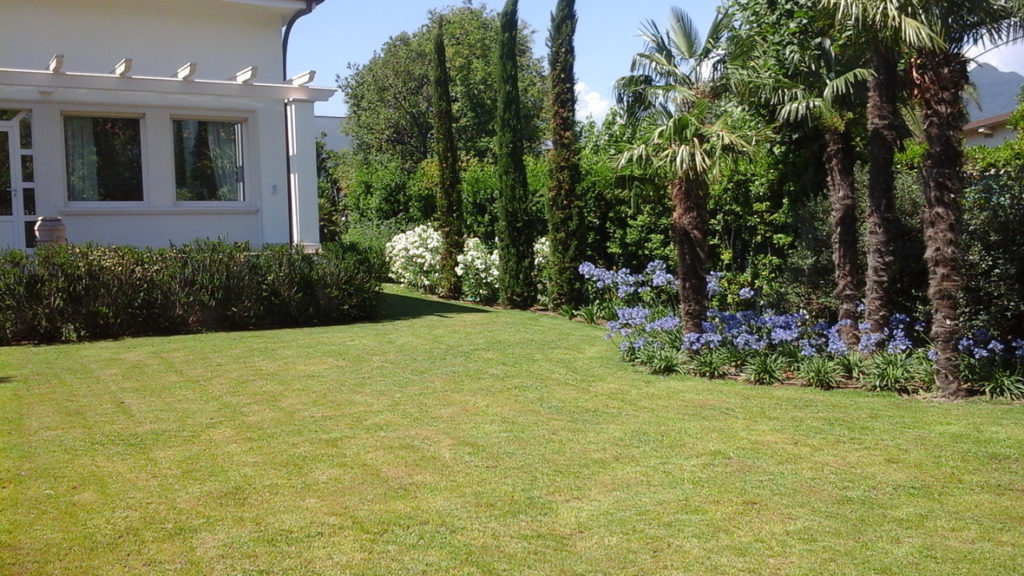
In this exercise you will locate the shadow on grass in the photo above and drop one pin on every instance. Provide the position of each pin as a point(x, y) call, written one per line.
point(401, 307)
point(6, 379)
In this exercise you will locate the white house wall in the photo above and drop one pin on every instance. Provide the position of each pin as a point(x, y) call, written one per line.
point(221, 37)
point(999, 135)
point(159, 219)
point(159, 35)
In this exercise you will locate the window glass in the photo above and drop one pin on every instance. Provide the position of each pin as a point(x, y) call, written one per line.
point(104, 159)
point(28, 168)
point(208, 160)
point(28, 197)
point(26, 131)
point(6, 191)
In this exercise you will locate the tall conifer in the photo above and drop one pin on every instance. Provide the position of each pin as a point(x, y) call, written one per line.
point(515, 234)
point(565, 223)
point(449, 196)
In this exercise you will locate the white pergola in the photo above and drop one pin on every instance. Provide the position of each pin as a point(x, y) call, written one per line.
point(54, 81)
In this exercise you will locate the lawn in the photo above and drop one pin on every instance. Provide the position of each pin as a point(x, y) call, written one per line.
point(451, 439)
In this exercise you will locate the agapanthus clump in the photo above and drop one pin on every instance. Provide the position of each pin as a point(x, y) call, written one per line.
point(900, 335)
point(654, 287)
point(638, 327)
point(647, 321)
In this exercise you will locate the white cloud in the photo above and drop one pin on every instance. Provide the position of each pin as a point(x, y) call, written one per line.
point(590, 103)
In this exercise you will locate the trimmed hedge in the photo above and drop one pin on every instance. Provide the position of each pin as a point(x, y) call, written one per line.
point(86, 292)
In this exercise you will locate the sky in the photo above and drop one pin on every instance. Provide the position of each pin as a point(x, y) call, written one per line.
point(340, 32)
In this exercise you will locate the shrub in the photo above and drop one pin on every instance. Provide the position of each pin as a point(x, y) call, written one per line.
point(478, 269)
point(413, 258)
point(68, 293)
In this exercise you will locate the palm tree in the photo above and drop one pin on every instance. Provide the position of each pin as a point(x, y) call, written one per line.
point(671, 98)
point(884, 27)
point(819, 88)
point(939, 75)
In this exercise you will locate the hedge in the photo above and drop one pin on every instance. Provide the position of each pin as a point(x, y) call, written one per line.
point(85, 292)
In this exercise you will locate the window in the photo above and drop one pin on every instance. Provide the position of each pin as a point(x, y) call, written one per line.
point(104, 159)
point(208, 160)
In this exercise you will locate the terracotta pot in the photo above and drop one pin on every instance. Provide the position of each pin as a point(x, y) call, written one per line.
point(50, 230)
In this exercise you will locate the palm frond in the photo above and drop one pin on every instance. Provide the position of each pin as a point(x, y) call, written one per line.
point(846, 83)
point(683, 34)
point(887, 20)
point(803, 109)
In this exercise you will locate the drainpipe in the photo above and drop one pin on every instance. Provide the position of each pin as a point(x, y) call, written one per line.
point(310, 5)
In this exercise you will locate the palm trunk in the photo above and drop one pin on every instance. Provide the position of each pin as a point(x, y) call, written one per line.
point(689, 231)
point(883, 137)
point(839, 160)
point(939, 79)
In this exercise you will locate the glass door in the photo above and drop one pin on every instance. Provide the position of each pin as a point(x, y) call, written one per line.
point(17, 177)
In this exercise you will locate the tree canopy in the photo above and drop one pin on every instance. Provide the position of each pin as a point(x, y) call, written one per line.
point(389, 97)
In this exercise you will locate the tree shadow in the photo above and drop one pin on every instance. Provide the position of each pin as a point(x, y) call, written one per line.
point(6, 379)
point(400, 307)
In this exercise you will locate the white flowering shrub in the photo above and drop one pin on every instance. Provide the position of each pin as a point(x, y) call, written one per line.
point(541, 261)
point(413, 258)
point(478, 269)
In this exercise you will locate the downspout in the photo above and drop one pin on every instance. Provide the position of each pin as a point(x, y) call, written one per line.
point(310, 5)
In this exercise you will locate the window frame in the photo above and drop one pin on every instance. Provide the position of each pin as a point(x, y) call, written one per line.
point(242, 155)
point(143, 158)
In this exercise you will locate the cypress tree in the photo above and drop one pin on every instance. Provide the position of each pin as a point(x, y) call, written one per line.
point(565, 223)
point(515, 234)
point(449, 195)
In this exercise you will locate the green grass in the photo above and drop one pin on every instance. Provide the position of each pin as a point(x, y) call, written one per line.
point(455, 440)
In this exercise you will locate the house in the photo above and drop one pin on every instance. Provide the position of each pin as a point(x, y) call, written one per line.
point(991, 131)
point(155, 123)
point(330, 128)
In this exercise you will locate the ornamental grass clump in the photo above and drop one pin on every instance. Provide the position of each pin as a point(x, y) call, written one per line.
point(765, 369)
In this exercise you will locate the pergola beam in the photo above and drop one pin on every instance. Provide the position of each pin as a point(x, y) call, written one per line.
point(56, 65)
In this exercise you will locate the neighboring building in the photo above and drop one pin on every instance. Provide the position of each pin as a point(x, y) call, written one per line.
point(330, 126)
point(991, 131)
point(994, 98)
point(155, 122)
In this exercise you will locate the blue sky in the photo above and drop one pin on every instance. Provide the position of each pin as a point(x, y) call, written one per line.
point(343, 31)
